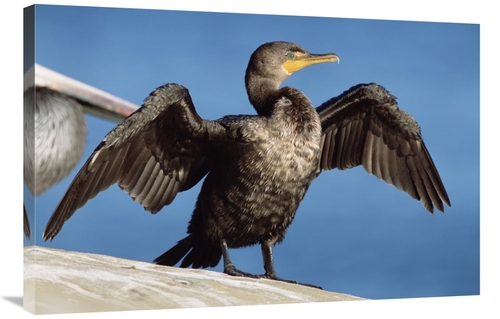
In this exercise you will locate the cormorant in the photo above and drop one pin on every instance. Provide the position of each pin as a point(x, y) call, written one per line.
point(257, 167)
point(55, 129)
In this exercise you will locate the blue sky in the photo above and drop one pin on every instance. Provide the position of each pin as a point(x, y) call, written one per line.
point(353, 233)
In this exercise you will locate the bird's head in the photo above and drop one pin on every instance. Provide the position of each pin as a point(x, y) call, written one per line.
point(272, 63)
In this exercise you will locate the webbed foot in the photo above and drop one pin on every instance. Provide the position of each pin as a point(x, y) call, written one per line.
point(233, 271)
point(274, 277)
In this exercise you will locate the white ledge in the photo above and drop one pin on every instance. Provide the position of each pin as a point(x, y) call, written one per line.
point(59, 281)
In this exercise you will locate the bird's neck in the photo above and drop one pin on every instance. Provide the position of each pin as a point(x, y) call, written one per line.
point(262, 93)
point(286, 104)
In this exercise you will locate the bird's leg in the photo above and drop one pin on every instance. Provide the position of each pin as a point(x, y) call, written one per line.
point(267, 255)
point(229, 267)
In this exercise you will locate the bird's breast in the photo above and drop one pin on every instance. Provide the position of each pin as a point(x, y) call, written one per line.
point(282, 149)
point(260, 178)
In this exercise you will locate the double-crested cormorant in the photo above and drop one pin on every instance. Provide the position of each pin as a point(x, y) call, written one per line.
point(259, 167)
point(55, 129)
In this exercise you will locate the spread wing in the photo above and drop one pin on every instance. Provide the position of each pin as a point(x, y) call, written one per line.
point(153, 154)
point(364, 126)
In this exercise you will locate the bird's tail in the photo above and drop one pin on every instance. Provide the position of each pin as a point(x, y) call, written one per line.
point(198, 253)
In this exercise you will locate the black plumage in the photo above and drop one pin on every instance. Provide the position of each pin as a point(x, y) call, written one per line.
point(258, 168)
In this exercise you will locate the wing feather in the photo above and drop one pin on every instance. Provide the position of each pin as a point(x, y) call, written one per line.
point(150, 155)
point(364, 126)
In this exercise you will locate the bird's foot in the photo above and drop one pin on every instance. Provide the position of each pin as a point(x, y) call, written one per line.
point(233, 271)
point(274, 277)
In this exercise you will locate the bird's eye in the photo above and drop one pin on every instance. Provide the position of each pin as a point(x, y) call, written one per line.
point(291, 55)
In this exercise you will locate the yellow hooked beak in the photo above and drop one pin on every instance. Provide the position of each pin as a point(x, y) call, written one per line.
point(299, 60)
